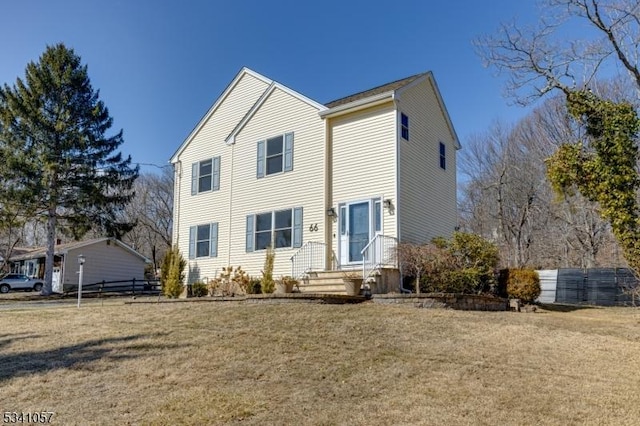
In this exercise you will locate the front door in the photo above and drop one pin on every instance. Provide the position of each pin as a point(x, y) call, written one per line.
point(56, 283)
point(356, 229)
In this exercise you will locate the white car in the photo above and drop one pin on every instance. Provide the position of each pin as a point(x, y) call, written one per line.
point(19, 282)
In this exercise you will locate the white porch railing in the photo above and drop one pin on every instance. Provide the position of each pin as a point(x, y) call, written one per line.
point(310, 257)
point(381, 252)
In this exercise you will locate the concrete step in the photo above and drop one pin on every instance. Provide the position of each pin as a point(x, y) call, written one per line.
point(335, 274)
point(323, 289)
point(327, 284)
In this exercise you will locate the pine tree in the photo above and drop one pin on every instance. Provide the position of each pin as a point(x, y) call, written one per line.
point(57, 156)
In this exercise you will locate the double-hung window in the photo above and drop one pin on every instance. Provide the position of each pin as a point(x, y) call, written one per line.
point(404, 126)
point(205, 176)
point(203, 240)
point(443, 156)
point(275, 155)
point(277, 229)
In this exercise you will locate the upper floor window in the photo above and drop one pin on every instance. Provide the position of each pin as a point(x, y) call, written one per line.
point(275, 155)
point(443, 156)
point(205, 176)
point(404, 126)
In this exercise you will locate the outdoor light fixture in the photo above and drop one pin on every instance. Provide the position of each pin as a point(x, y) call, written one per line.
point(387, 203)
point(81, 259)
point(331, 212)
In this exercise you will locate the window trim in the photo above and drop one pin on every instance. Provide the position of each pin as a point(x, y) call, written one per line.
point(287, 155)
point(212, 241)
point(404, 128)
point(214, 176)
point(296, 229)
point(280, 154)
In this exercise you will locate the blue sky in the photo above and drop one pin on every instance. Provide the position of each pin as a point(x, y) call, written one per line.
point(160, 65)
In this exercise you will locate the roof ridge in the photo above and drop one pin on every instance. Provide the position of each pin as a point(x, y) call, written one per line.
point(393, 85)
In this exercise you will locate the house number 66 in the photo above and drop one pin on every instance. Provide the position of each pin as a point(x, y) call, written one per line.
point(313, 227)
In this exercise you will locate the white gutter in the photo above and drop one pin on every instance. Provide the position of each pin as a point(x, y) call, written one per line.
point(177, 181)
point(396, 101)
point(358, 105)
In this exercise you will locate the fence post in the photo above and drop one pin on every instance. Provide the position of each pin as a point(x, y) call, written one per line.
point(133, 287)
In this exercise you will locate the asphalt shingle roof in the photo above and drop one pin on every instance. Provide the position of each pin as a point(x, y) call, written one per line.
point(394, 85)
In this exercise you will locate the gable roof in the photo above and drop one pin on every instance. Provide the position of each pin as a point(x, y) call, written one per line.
point(62, 249)
point(388, 87)
point(215, 106)
point(385, 93)
point(261, 100)
point(367, 97)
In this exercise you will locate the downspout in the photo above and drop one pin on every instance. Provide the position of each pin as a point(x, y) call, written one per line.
point(176, 202)
point(230, 215)
point(328, 195)
point(396, 101)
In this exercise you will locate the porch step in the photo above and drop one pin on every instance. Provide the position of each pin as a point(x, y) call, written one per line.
point(325, 282)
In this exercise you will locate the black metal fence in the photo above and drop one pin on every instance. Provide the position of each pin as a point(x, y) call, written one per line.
point(130, 287)
point(598, 286)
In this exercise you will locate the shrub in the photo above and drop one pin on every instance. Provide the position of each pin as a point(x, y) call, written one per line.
point(231, 281)
point(477, 258)
point(268, 284)
point(523, 284)
point(213, 286)
point(464, 264)
point(255, 286)
point(227, 285)
point(173, 282)
point(241, 280)
point(199, 289)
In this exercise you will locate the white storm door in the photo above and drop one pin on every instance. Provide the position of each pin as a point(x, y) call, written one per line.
point(355, 231)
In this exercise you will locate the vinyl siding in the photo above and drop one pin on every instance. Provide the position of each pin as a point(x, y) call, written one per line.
point(302, 187)
point(210, 207)
point(245, 194)
point(427, 205)
point(108, 262)
point(364, 160)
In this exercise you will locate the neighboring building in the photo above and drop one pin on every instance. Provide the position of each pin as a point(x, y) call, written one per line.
point(330, 186)
point(106, 259)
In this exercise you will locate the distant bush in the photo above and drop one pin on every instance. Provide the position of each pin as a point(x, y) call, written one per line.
point(199, 289)
point(268, 283)
point(464, 264)
point(255, 286)
point(233, 281)
point(172, 273)
point(522, 284)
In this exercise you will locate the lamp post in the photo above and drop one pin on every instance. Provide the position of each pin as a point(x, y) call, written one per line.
point(81, 260)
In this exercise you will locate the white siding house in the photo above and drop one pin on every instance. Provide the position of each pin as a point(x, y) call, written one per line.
point(331, 186)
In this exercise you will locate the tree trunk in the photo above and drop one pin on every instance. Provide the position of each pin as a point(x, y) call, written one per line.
point(47, 288)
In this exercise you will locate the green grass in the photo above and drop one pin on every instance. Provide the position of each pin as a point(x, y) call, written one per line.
point(226, 363)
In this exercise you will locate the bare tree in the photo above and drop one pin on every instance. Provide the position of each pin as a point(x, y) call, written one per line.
point(507, 198)
point(151, 210)
point(538, 61)
point(505, 185)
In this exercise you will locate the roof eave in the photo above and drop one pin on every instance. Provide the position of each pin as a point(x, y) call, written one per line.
point(231, 139)
point(358, 105)
point(214, 107)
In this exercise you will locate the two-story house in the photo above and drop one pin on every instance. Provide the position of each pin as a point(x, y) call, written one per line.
point(329, 186)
